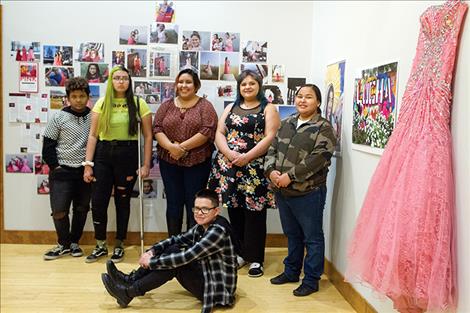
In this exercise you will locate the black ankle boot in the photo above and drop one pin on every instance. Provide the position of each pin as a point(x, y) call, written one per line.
point(117, 276)
point(117, 290)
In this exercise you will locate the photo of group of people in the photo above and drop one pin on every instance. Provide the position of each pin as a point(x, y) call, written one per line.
point(58, 55)
point(225, 41)
point(57, 76)
point(165, 12)
point(28, 81)
point(91, 52)
point(18, 163)
point(26, 51)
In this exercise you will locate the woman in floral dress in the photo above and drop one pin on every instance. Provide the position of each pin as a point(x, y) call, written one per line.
point(244, 134)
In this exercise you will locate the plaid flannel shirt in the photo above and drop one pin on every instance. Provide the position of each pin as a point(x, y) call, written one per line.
point(213, 248)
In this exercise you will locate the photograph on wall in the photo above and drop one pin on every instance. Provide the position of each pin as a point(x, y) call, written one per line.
point(57, 76)
point(228, 66)
point(133, 35)
point(26, 51)
point(137, 62)
point(293, 84)
point(28, 107)
point(189, 60)
point(94, 73)
point(160, 64)
point(209, 69)
point(147, 87)
point(273, 94)
point(196, 40)
point(154, 172)
point(168, 91)
point(40, 167)
point(260, 69)
point(90, 52)
point(333, 99)
point(19, 163)
point(286, 110)
point(165, 12)
point(225, 41)
point(57, 99)
point(162, 33)
point(42, 185)
point(57, 55)
point(255, 52)
point(278, 73)
point(94, 95)
point(29, 77)
point(227, 91)
point(374, 106)
point(119, 58)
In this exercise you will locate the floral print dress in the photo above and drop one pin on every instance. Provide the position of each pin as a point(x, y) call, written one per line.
point(243, 186)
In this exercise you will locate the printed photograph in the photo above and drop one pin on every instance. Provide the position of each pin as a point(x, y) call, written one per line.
point(165, 12)
point(94, 95)
point(209, 69)
point(273, 94)
point(196, 41)
point(58, 55)
point(42, 185)
point(94, 73)
point(143, 88)
point(225, 41)
point(57, 76)
point(162, 33)
point(228, 66)
point(29, 77)
point(26, 51)
point(91, 52)
point(168, 91)
point(19, 163)
point(227, 91)
point(286, 110)
point(119, 58)
point(189, 60)
point(40, 167)
point(278, 73)
point(160, 64)
point(133, 35)
point(260, 69)
point(255, 52)
point(57, 99)
point(137, 62)
point(293, 84)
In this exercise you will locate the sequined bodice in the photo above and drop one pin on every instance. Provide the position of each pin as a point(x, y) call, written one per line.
point(429, 87)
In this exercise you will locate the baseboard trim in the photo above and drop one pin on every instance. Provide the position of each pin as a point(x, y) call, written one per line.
point(133, 238)
point(347, 290)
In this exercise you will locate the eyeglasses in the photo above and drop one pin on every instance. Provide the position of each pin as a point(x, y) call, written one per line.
point(306, 97)
point(121, 78)
point(204, 210)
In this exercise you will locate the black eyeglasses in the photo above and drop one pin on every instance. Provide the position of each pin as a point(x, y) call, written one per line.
point(204, 210)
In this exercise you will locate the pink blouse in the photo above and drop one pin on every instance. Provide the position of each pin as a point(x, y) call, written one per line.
point(179, 127)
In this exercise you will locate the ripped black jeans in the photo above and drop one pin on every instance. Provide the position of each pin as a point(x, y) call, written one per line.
point(115, 166)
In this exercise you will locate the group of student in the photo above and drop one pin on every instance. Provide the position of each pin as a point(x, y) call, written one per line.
point(261, 163)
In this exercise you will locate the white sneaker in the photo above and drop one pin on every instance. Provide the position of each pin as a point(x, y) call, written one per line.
point(256, 270)
point(241, 262)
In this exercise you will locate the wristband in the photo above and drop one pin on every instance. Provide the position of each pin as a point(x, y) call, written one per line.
point(90, 163)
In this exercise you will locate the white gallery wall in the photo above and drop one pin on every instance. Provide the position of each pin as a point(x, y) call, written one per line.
point(73, 22)
point(366, 34)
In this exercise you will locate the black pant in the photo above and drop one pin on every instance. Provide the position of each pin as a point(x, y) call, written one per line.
point(181, 184)
point(190, 276)
point(115, 165)
point(68, 188)
point(250, 229)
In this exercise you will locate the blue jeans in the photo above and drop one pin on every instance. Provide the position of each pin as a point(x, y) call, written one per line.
point(302, 223)
point(181, 184)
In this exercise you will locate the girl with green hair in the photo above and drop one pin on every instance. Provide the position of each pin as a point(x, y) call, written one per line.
point(112, 157)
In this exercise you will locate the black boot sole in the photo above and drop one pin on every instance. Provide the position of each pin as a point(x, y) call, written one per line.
point(105, 278)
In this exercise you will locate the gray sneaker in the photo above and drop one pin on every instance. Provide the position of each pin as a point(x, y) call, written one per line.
point(118, 254)
point(75, 250)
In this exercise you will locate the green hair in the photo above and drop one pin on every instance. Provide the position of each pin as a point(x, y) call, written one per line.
point(106, 108)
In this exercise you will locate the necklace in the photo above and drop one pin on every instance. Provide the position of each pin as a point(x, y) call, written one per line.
point(186, 106)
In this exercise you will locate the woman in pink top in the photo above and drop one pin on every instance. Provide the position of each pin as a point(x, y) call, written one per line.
point(184, 128)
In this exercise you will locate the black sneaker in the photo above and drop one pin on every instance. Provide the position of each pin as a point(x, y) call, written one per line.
point(256, 270)
point(75, 249)
point(97, 253)
point(304, 290)
point(282, 279)
point(118, 254)
point(56, 252)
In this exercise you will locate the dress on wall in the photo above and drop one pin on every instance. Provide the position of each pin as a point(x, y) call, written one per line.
point(403, 245)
